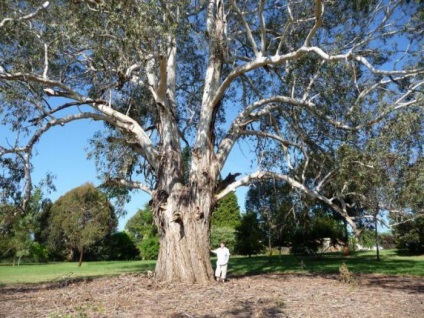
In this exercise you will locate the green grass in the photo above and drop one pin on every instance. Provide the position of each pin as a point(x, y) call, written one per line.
point(362, 262)
point(38, 273)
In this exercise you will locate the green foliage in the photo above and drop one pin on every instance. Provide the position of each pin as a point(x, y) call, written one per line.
point(119, 246)
point(272, 201)
point(411, 184)
point(308, 238)
point(223, 234)
point(23, 233)
point(144, 234)
point(141, 225)
point(226, 212)
point(39, 253)
point(80, 218)
point(225, 219)
point(367, 238)
point(149, 248)
point(249, 236)
point(408, 222)
point(15, 233)
point(409, 235)
point(10, 178)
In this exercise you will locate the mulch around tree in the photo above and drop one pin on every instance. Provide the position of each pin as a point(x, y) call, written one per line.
point(285, 295)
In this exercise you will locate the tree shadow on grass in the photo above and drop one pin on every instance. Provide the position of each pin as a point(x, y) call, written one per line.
point(410, 284)
point(386, 273)
point(289, 263)
point(50, 285)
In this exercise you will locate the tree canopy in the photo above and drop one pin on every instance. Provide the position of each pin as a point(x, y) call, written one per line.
point(289, 81)
point(81, 218)
point(227, 212)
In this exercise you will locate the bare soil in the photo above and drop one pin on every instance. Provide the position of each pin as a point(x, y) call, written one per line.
point(286, 295)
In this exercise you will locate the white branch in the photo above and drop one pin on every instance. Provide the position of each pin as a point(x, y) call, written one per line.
point(46, 60)
point(26, 17)
point(130, 184)
point(265, 175)
point(319, 11)
point(263, 27)
point(246, 26)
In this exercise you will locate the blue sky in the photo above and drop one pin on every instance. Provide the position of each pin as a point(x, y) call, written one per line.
point(61, 152)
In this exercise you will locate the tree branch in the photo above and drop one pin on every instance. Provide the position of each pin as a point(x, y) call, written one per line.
point(247, 28)
point(128, 184)
point(319, 11)
point(26, 17)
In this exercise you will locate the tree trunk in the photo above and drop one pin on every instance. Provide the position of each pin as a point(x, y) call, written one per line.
point(182, 209)
point(270, 245)
point(376, 235)
point(184, 229)
point(81, 251)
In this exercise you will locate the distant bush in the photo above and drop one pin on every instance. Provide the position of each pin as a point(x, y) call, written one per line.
point(149, 248)
point(409, 236)
point(308, 239)
point(38, 253)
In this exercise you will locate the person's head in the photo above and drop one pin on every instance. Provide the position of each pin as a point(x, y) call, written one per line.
point(222, 244)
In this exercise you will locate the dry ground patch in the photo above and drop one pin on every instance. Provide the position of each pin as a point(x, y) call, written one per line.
point(285, 295)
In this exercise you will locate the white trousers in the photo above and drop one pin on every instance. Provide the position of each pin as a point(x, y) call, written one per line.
point(221, 271)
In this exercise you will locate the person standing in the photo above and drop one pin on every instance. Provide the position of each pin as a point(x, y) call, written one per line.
point(223, 255)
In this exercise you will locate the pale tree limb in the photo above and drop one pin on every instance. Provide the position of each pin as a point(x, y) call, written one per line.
point(117, 119)
point(263, 26)
point(265, 175)
point(261, 61)
point(319, 11)
point(27, 151)
point(26, 17)
point(129, 184)
point(247, 28)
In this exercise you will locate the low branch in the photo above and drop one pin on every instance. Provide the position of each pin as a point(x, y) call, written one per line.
point(127, 184)
point(266, 175)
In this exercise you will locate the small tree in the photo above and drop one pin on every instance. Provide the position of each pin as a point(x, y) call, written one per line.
point(18, 231)
point(225, 218)
point(273, 202)
point(227, 212)
point(80, 218)
point(249, 236)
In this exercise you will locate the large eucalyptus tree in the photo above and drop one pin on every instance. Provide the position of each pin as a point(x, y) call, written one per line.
point(292, 78)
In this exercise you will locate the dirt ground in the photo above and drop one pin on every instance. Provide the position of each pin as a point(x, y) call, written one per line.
point(287, 295)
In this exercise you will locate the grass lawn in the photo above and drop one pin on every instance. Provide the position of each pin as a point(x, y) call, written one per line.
point(361, 262)
point(37, 273)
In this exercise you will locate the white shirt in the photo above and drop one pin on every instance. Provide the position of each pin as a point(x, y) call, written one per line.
point(223, 255)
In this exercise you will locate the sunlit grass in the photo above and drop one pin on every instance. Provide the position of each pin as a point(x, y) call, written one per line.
point(362, 262)
point(37, 273)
